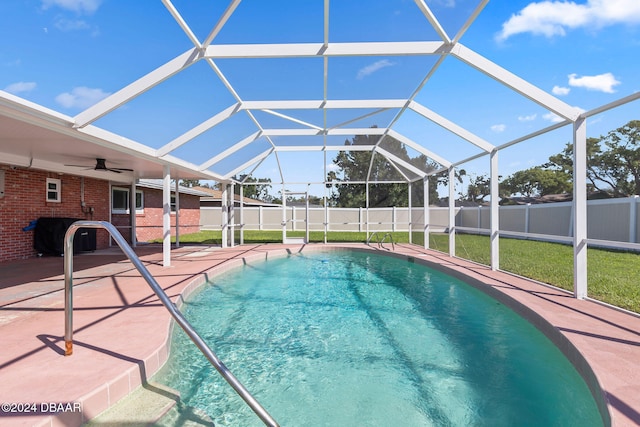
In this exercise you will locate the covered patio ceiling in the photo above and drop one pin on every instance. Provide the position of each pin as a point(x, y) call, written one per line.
point(270, 128)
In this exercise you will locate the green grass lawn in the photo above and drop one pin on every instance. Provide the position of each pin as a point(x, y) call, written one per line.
point(614, 276)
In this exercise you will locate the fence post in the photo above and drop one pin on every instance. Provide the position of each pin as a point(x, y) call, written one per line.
point(526, 218)
point(293, 218)
point(633, 218)
point(393, 219)
point(571, 221)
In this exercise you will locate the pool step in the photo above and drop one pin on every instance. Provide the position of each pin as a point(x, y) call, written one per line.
point(182, 415)
point(151, 404)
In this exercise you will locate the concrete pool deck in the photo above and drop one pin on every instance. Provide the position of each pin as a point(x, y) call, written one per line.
point(121, 329)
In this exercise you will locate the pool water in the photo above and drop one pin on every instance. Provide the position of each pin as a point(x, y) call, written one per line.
point(358, 339)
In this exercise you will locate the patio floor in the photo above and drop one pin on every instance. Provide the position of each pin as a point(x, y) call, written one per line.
point(121, 329)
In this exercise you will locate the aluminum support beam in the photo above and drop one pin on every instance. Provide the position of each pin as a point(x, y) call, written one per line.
point(452, 212)
point(225, 215)
point(245, 165)
point(317, 104)
point(292, 119)
point(433, 20)
point(580, 208)
point(181, 22)
point(241, 214)
point(397, 160)
point(495, 212)
point(177, 214)
point(237, 146)
point(232, 215)
point(198, 130)
point(311, 50)
point(324, 148)
point(427, 218)
point(166, 217)
point(514, 82)
point(221, 22)
point(136, 88)
point(132, 213)
point(470, 20)
point(410, 207)
point(419, 148)
point(450, 126)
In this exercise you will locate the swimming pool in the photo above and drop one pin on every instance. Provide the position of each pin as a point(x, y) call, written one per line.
point(354, 338)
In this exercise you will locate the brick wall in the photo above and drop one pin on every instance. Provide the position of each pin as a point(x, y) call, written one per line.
point(25, 200)
point(149, 221)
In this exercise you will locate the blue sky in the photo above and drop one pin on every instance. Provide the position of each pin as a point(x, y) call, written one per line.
point(68, 54)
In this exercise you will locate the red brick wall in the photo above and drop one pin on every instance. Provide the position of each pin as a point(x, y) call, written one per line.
point(149, 222)
point(25, 200)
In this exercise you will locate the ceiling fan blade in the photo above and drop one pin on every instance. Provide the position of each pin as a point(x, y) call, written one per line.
point(101, 165)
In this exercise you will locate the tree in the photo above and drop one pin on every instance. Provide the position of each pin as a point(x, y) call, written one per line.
point(257, 191)
point(479, 187)
point(613, 161)
point(537, 181)
point(353, 165)
point(190, 182)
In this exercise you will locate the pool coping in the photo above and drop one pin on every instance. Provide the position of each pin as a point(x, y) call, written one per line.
point(601, 342)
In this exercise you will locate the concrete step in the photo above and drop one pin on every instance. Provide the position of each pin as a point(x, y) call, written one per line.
point(152, 404)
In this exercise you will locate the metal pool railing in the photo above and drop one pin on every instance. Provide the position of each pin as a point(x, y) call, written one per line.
point(380, 242)
point(177, 315)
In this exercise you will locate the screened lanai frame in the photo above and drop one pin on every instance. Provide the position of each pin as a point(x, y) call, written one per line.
point(446, 46)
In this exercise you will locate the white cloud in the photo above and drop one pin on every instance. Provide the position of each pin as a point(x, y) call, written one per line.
point(20, 87)
point(79, 6)
point(553, 118)
point(81, 97)
point(71, 25)
point(498, 128)
point(372, 68)
point(602, 82)
point(554, 18)
point(445, 3)
point(559, 90)
point(528, 118)
point(14, 63)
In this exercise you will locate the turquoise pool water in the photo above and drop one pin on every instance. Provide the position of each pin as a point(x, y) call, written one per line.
point(358, 339)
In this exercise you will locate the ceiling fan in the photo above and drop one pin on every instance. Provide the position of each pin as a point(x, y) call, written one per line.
point(101, 165)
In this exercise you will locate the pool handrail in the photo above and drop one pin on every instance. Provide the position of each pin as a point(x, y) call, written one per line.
point(380, 242)
point(166, 301)
point(375, 233)
point(393, 245)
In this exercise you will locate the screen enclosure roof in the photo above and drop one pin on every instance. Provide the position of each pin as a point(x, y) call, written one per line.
point(237, 96)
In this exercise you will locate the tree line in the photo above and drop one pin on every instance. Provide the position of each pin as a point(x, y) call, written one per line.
point(613, 170)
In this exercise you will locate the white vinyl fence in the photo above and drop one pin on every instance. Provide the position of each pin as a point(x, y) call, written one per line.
point(610, 220)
